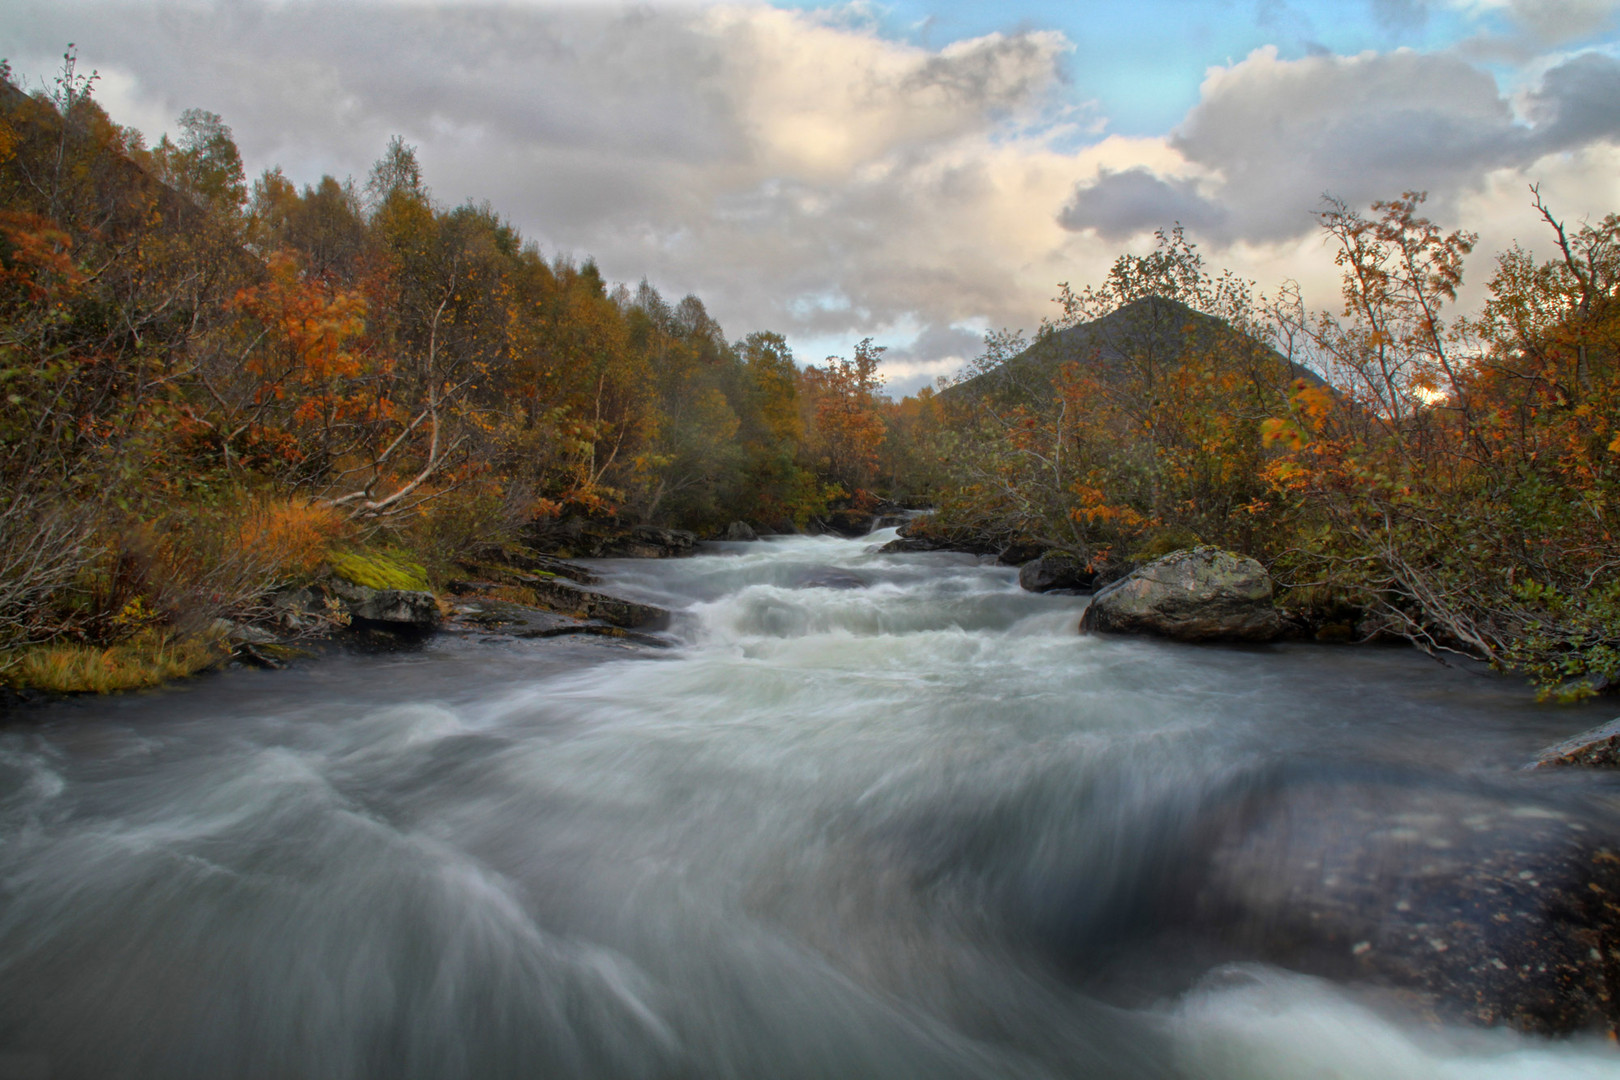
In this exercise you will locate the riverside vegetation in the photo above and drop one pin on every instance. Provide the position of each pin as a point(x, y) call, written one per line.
point(216, 391)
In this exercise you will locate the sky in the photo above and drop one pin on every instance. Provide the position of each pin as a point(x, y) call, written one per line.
point(915, 172)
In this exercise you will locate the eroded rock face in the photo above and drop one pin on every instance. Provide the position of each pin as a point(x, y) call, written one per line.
point(1203, 594)
point(1599, 747)
point(1055, 570)
point(739, 530)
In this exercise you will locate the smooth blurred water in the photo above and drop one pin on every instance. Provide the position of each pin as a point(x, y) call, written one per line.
point(834, 831)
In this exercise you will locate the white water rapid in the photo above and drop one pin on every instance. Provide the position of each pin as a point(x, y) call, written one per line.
point(867, 817)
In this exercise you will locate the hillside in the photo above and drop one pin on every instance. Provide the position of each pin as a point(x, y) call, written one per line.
point(1145, 338)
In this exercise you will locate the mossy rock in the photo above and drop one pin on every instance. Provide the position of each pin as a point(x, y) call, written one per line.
point(377, 570)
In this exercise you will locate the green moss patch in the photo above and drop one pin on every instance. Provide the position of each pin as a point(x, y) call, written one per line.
point(376, 570)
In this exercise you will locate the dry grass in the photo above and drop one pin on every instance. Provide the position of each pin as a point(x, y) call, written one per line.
point(145, 660)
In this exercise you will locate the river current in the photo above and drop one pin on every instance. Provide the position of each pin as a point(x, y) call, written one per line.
point(864, 816)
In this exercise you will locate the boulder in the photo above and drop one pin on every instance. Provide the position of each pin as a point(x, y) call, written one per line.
point(1020, 552)
point(739, 530)
point(1203, 594)
point(398, 607)
point(1055, 570)
point(909, 544)
point(850, 522)
point(1600, 747)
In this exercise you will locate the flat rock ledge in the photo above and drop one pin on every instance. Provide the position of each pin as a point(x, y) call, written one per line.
point(1599, 748)
point(1202, 594)
point(482, 615)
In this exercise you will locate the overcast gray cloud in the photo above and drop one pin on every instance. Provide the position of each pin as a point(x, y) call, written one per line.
point(1270, 137)
point(798, 173)
point(1121, 204)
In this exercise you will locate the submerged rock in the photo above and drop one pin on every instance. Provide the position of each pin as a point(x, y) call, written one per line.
point(1599, 747)
point(1055, 570)
point(1202, 594)
point(830, 577)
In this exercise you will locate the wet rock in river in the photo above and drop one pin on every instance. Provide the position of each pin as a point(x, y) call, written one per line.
point(1599, 747)
point(1202, 594)
point(1490, 908)
point(482, 614)
point(568, 598)
point(830, 577)
point(649, 542)
point(739, 530)
point(1055, 570)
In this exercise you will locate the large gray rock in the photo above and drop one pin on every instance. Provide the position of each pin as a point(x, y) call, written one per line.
point(400, 607)
point(739, 530)
point(1055, 570)
point(1203, 594)
point(1600, 747)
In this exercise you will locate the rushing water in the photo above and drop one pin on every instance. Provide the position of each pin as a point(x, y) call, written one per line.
point(842, 828)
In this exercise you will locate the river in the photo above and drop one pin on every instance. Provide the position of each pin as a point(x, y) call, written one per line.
point(866, 816)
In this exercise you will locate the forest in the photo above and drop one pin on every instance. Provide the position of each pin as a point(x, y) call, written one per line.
point(216, 388)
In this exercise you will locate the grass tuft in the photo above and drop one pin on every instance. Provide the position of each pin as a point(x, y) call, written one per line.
point(145, 660)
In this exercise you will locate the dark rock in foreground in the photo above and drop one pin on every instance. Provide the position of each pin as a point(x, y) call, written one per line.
point(1055, 570)
point(1598, 747)
point(1492, 909)
point(1203, 594)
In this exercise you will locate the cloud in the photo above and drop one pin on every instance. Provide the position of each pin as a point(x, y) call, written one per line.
point(762, 158)
point(1400, 16)
point(1553, 22)
point(1269, 137)
point(803, 173)
point(1121, 204)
